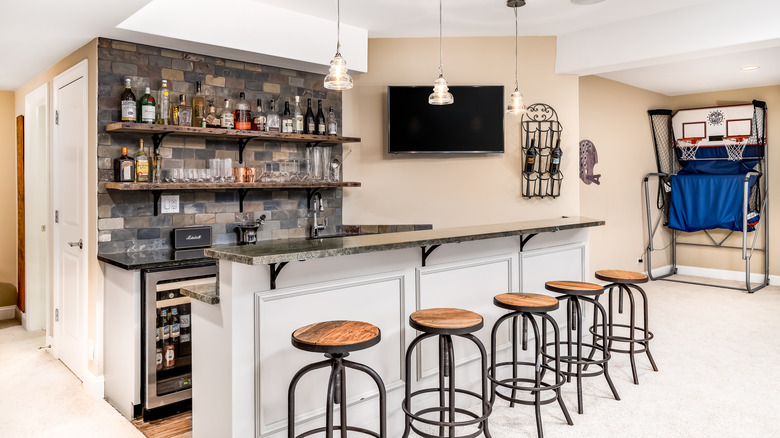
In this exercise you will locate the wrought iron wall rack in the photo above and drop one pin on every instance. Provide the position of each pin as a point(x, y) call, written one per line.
point(540, 124)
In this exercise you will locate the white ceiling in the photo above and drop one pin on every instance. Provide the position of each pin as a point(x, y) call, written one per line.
point(669, 46)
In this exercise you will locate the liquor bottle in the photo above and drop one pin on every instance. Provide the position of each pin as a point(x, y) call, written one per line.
point(320, 119)
point(242, 114)
point(212, 119)
point(166, 325)
point(258, 123)
point(272, 121)
point(169, 355)
point(185, 346)
point(555, 158)
point(332, 125)
point(156, 168)
point(141, 164)
point(163, 105)
point(159, 342)
point(226, 115)
point(297, 116)
point(184, 111)
point(309, 123)
point(124, 168)
point(174, 115)
point(147, 107)
point(128, 103)
point(198, 107)
point(287, 119)
point(175, 329)
point(530, 158)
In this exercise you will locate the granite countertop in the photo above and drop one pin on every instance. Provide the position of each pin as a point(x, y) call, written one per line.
point(277, 251)
point(202, 292)
point(163, 258)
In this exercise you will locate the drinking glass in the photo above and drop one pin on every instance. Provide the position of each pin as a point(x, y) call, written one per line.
point(335, 168)
point(326, 163)
point(202, 175)
point(316, 161)
point(228, 165)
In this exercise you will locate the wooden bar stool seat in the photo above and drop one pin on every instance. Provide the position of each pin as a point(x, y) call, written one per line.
point(528, 308)
point(336, 339)
point(631, 332)
point(576, 293)
point(446, 323)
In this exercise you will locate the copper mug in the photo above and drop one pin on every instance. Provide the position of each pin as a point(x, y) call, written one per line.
point(240, 174)
point(250, 175)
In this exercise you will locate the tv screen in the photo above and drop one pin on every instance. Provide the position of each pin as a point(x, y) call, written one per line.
point(474, 123)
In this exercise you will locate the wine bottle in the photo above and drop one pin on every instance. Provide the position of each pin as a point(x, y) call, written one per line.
point(198, 107)
point(163, 105)
point(287, 119)
point(320, 119)
point(147, 107)
point(258, 123)
point(159, 341)
point(309, 123)
point(226, 119)
point(272, 121)
point(530, 158)
point(141, 164)
point(128, 102)
point(297, 116)
point(124, 168)
point(175, 329)
point(242, 114)
point(332, 125)
point(185, 347)
point(555, 158)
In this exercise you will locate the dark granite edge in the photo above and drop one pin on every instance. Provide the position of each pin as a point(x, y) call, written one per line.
point(206, 293)
point(396, 241)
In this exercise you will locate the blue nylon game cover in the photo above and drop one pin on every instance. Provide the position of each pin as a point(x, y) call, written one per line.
point(705, 202)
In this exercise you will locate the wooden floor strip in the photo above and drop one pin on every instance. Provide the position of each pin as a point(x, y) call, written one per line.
point(177, 426)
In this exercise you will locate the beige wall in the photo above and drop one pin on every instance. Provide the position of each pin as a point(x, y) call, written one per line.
point(8, 188)
point(614, 117)
point(731, 259)
point(95, 283)
point(446, 190)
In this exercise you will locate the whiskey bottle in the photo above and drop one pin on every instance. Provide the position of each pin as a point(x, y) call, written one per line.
point(287, 119)
point(141, 164)
point(212, 120)
point(163, 105)
point(530, 158)
point(147, 107)
point(555, 158)
point(128, 103)
point(332, 125)
point(320, 119)
point(242, 114)
point(272, 121)
point(184, 112)
point(226, 115)
point(309, 123)
point(198, 107)
point(297, 116)
point(258, 123)
point(124, 168)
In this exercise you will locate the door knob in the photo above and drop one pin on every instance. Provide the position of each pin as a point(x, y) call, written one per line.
point(80, 243)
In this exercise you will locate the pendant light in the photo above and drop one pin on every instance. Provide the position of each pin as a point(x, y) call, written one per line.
point(515, 106)
point(338, 78)
point(441, 94)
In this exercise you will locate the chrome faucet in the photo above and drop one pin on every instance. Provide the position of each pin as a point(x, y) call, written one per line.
point(317, 207)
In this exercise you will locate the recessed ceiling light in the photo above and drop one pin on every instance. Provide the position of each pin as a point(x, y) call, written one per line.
point(586, 2)
point(750, 68)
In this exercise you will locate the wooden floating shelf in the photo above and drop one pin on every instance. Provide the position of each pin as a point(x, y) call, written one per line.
point(226, 186)
point(143, 128)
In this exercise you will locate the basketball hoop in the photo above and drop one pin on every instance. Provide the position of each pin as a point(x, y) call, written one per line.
point(688, 148)
point(735, 147)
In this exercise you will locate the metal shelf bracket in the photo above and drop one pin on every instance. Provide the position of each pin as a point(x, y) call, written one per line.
point(426, 251)
point(275, 272)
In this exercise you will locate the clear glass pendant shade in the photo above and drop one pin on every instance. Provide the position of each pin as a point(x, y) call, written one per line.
point(516, 106)
point(441, 94)
point(338, 78)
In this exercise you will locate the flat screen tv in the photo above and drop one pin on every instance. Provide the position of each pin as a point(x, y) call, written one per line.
point(474, 123)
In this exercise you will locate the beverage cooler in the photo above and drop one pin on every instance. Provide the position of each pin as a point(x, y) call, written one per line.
point(166, 353)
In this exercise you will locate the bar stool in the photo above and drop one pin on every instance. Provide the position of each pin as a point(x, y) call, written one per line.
point(526, 306)
point(625, 281)
point(575, 292)
point(446, 323)
point(336, 339)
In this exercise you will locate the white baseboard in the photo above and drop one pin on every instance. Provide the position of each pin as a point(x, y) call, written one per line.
point(22, 318)
point(718, 274)
point(7, 312)
point(94, 385)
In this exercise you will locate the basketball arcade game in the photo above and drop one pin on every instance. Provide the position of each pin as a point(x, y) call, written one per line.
point(712, 174)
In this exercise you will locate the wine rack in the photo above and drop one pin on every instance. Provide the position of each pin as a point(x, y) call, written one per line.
point(541, 127)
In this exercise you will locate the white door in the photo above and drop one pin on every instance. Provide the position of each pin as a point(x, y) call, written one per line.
point(69, 184)
point(36, 208)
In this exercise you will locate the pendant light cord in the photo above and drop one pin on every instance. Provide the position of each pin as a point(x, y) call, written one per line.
point(517, 87)
point(338, 27)
point(441, 68)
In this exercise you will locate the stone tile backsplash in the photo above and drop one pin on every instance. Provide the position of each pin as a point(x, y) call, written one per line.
point(125, 219)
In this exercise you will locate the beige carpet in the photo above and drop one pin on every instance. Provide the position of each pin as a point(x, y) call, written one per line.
point(718, 352)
